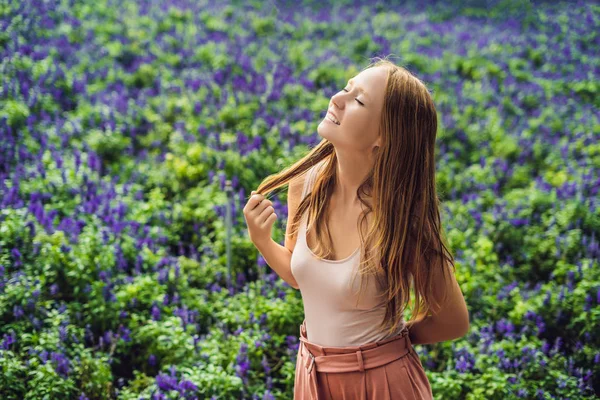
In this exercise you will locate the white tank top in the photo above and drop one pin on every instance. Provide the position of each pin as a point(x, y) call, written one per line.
point(332, 319)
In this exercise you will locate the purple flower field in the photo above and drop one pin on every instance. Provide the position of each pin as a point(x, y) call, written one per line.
point(128, 129)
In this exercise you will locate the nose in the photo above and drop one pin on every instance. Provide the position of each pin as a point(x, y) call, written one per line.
point(338, 100)
point(336, 103)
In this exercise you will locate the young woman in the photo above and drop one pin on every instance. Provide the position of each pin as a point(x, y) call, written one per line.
point(363, 204)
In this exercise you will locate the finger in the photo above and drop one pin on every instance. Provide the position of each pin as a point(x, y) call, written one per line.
point(254, 201)
point(262, 206)
point(262, 203)
point(270, 219)
point(262, 218)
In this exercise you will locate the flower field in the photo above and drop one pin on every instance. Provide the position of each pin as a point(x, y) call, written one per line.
point(131, 136)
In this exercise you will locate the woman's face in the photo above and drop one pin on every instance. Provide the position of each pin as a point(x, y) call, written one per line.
point(359, 123)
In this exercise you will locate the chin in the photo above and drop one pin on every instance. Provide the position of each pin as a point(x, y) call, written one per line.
point(323, 130)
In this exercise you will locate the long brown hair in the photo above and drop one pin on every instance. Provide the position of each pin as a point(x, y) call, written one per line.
point(406, 234)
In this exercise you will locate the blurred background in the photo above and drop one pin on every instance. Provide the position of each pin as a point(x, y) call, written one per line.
point(131, 135)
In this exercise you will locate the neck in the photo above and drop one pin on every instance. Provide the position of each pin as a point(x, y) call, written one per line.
point(351, 172)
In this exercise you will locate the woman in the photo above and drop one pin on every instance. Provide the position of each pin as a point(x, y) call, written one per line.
point(370, 195)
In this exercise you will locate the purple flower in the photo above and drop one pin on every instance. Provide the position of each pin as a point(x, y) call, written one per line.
point(185, 386)
point(16, 254)
point(166, 382)
point(464, 360)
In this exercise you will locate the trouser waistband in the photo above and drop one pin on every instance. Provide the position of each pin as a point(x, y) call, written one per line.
point(358, 358)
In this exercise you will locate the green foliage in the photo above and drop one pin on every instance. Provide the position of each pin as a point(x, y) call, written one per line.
point(140, 92)
point(107, 144)
point(15, 111)
point(262, 26)
point(324, 75)
point(144, 76)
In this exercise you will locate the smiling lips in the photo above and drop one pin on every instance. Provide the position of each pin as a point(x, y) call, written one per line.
point(333, 118)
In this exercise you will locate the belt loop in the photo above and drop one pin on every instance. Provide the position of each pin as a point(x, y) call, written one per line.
point(361, 365)
point(312, 362)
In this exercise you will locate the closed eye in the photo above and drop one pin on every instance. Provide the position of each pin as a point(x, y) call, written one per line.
point(355, 98)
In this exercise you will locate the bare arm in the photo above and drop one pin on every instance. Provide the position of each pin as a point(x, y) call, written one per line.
point(279, 257)
point(451, 322)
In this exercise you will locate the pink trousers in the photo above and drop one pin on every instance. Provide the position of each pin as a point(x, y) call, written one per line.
point(389, 369)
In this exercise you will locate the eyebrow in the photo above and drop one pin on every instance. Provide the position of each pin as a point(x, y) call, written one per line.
point(360, 89)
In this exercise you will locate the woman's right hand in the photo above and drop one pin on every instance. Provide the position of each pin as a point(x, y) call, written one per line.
point(260, 216)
